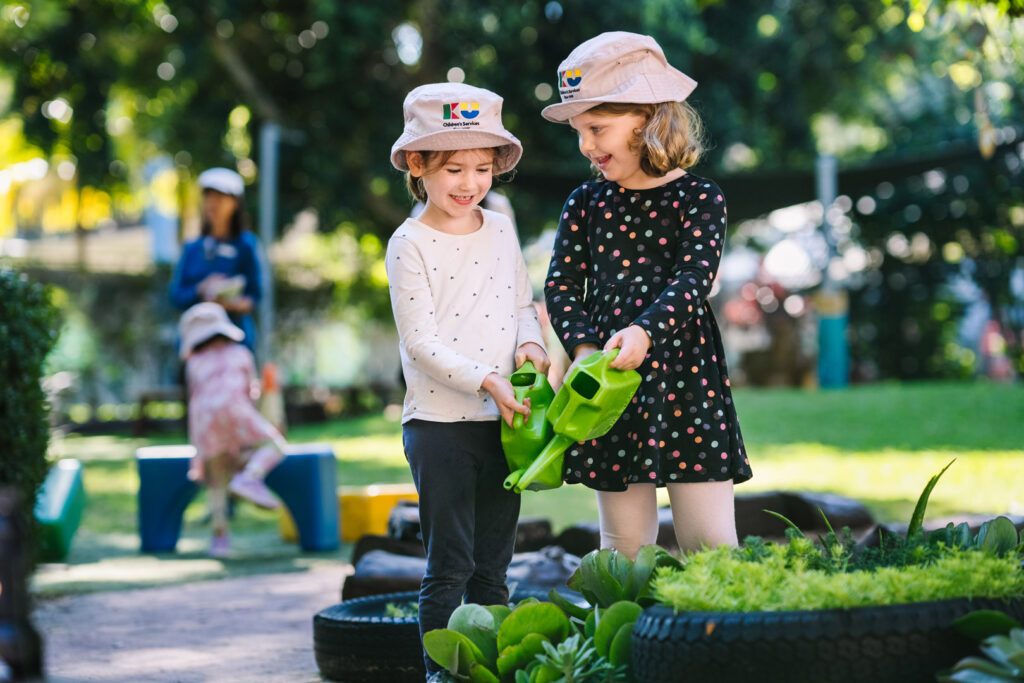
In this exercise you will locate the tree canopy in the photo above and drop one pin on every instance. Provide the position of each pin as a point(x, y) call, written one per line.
point(111, 82)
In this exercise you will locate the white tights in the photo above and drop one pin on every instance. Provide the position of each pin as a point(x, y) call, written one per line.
point(702, 514)
point(218, 475)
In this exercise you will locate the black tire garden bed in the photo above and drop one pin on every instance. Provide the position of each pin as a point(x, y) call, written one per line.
point(354, 641)
point(878, 644)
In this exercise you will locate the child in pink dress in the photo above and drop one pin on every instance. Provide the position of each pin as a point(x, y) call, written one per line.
point(235, 446)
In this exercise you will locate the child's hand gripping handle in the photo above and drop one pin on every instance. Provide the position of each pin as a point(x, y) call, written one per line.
point(593, 397)
point(522, 380)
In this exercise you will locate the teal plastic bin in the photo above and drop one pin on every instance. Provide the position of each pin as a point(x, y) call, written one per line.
point(58, 510)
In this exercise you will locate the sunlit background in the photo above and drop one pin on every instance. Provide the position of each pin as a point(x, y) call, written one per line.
point(912, 270)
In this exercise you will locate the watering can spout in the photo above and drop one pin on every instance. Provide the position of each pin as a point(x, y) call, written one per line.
point(521, 479)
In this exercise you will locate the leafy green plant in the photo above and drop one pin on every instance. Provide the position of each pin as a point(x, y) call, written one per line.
point(617, 588)
point(482, 643)
point(982, 623)
point(538, 642)
point(606, 576)
point(28, 330)
point(917, 519)
point(1002, 640)
point(839, 552)
point(998, 536)
point(613, 629)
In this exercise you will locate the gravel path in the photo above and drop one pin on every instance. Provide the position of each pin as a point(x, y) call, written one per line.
point(256, 628)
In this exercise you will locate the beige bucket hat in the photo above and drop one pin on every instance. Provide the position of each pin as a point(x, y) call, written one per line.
point(453, 116)
point(202, 321)
point(617, 66)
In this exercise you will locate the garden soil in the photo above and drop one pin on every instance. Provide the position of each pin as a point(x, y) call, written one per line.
point(254, 628)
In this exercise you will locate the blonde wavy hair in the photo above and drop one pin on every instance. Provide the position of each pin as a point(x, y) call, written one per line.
point(672, 137)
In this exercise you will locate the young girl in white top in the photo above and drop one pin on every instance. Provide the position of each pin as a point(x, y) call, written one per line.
point(635, 257)
point(463, 305)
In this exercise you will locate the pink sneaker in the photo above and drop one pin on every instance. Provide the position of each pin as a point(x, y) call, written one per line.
point(253, 490)
point(220, 546)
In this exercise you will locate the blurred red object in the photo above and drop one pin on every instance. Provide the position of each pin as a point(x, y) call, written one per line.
point(271, 398)
point(742, 312)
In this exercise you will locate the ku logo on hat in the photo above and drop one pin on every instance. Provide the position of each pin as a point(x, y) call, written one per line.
point(464, 110)
point(569, 78)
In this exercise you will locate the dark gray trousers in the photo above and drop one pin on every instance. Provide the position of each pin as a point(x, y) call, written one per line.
point(467, 517)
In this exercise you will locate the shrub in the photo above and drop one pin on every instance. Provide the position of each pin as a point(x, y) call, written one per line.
point(28, 330)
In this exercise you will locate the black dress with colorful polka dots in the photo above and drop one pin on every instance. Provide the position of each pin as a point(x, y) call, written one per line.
point(649, 258)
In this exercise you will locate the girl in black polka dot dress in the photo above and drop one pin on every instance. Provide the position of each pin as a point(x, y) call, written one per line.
point(634, 261)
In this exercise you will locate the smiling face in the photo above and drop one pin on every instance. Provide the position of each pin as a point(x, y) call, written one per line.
point(454, 187)
point(606, 141)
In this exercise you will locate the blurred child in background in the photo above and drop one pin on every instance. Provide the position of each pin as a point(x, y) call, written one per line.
point(235, 445)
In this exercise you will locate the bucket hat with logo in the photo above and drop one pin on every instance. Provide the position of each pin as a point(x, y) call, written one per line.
point(617, 66)
point(454, 116)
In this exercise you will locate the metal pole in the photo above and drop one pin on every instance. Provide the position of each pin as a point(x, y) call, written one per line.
point(825, 182)
point(832, 302)
point(270, 136)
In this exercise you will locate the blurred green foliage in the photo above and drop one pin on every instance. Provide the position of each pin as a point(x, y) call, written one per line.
point(923, 97)
point(779, 81)
point(28, 330)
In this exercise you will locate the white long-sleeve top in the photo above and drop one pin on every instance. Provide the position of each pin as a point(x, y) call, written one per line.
point(463, 305)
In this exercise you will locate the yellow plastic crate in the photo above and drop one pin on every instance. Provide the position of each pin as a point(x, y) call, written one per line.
point(362, 509)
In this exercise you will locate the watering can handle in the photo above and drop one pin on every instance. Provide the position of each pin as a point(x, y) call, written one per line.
point(527, 366)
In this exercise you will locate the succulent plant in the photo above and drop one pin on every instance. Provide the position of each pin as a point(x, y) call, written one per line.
point(1005, 661)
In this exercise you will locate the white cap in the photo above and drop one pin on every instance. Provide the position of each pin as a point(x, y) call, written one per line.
point(223, 180)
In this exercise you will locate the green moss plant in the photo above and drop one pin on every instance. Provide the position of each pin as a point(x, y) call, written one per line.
point(722, 580)
point(833, 573)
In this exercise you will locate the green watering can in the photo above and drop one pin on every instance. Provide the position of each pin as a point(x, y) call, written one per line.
point(527, 437)
point(588, 404)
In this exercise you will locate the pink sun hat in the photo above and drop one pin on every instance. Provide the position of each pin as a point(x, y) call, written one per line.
point(454, 116)
point(203, 321)
point(617, 66)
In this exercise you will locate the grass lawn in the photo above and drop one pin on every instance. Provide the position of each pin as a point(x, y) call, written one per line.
point(878, 443)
